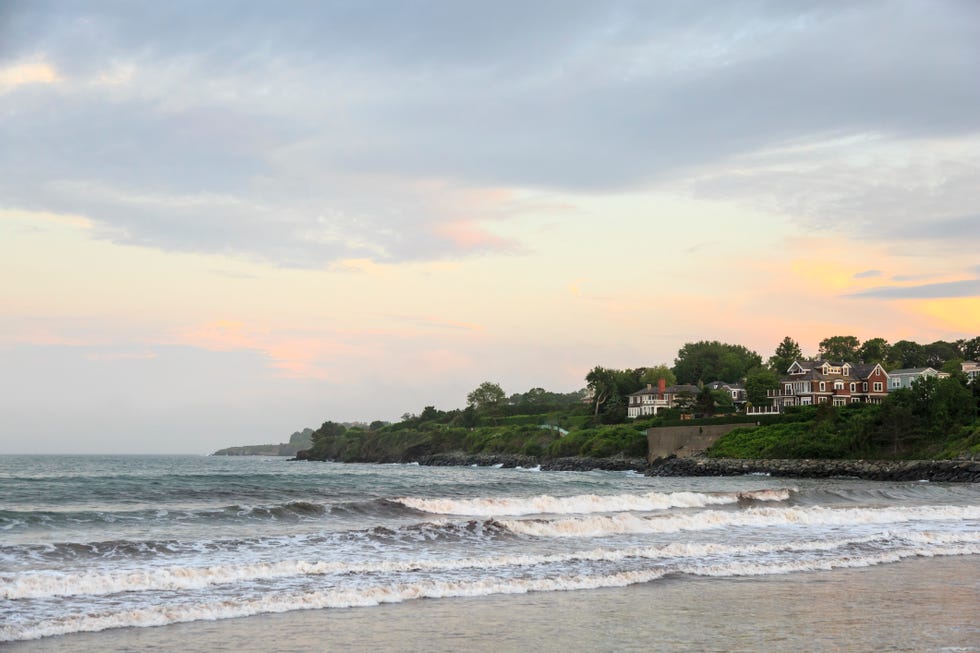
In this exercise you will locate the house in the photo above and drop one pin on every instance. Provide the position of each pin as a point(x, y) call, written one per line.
point(898, 379)
point(972, 370)
point(736, 390)
point(651, 400)
point(815, 382)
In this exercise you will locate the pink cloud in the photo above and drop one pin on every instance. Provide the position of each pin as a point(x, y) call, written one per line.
point(468, 236)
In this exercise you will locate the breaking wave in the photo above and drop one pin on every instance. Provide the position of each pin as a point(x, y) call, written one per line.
point(587, 503)
point(602, 525)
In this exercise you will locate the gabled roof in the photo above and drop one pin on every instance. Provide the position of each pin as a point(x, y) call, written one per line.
point(812, 370)
point(864, 370)
point(909, 371)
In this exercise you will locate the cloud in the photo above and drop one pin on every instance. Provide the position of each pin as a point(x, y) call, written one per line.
point(947, 289)
point(868, 274)
point(23, 74)
point(299, 134)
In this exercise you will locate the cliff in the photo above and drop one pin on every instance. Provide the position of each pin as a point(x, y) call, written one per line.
point(298, 441)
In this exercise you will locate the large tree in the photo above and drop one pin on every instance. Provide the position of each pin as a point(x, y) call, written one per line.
point(486, 396)
point(906, 354)
point(875, 350)
point(786, 352)
point(758, 383)
point(840, 348)
point(970, 349)
point(610, 387)
point(652, 375)
point(707, 361)
point(937, 353)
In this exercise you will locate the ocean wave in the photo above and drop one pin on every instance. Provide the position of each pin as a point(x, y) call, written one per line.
point(762, 517)
point(15, 521)
point(397, 592)
point(45, 584)
point(586, 503)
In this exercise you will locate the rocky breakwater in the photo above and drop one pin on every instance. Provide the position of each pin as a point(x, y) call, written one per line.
point(959, 471)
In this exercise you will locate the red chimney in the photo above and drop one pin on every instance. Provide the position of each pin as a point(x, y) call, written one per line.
point(662, 386)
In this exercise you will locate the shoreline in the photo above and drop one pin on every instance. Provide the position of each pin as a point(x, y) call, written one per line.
point(916, 604)
point(948, 471)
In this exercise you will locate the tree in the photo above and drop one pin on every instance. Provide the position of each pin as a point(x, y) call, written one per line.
point(430, 413)
point(601, 382)
point(706, 361)
point(704, 402)
point(786, 352)
point(652, 375)
point(970, 349)
point(937, 353)
point(758, 383)
point(487, 396)
point(875, 350)
point(906, 354)
point(610, 387)
point(839, 348)
point(329, 429)
point(684, 401)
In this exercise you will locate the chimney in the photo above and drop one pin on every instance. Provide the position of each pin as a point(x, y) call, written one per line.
point(662, 386)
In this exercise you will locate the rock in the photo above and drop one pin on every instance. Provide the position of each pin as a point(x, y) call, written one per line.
point(958, 471)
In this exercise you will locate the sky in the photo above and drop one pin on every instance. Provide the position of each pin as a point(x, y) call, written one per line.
point(224, 222)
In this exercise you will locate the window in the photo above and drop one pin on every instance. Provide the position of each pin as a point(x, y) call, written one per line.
point(853, 387)
point(823, 386)
point(838, 385)
point(877, 386)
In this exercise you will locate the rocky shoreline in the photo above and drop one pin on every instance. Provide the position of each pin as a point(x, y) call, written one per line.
point(571, 464)
point(952, 471)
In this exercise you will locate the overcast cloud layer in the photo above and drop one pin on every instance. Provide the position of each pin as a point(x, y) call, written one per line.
point(222, 222)
point(265, 130)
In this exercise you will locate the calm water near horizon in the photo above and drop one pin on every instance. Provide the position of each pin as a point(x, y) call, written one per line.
point(212, 553)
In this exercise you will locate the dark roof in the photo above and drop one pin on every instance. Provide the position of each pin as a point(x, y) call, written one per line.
point(674, 389)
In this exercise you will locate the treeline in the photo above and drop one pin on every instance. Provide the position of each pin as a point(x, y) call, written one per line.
point(700, 363)
point(593, 421)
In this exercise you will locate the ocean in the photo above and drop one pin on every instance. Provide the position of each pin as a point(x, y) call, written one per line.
point(253, 554)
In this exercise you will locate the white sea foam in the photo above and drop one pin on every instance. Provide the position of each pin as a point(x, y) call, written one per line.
point(601, 525)
point(44, 584)
point(343, 597)
point(586, 503)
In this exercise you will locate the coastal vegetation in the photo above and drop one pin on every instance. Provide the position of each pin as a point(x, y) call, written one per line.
point(935, 418)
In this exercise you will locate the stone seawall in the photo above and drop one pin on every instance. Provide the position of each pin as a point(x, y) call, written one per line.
point(683, 441)
point(960, 471)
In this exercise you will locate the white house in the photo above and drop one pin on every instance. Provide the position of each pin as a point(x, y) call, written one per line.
point(972, 370)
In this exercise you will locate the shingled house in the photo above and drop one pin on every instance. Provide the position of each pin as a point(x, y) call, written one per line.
point(816, 382)
point(650, 400)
